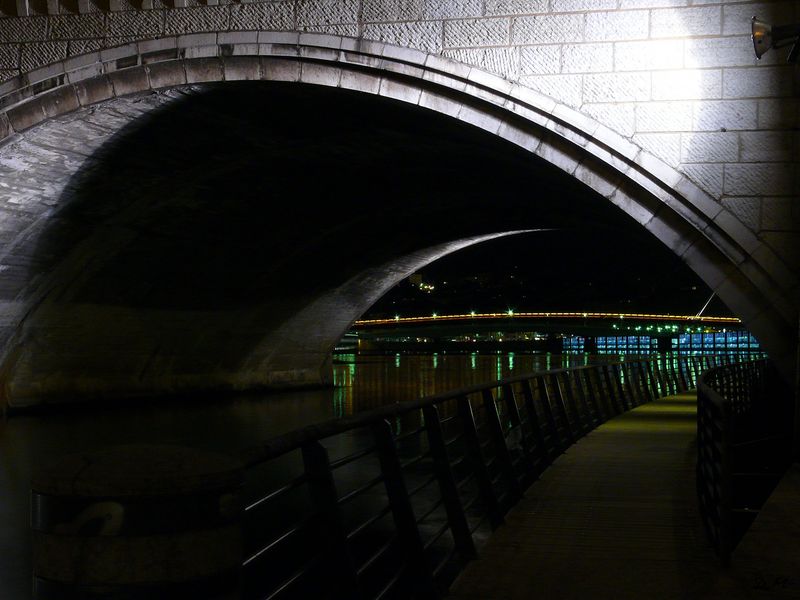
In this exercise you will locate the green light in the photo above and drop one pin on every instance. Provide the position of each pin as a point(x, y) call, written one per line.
point(435, 315)
point(510, 312)
point(339, 401)
point(472, 313)
point(397, 317)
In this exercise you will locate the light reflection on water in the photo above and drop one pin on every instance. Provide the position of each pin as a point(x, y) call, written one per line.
point(368, 381)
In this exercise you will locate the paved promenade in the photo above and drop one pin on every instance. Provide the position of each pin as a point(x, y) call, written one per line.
point(614, 517)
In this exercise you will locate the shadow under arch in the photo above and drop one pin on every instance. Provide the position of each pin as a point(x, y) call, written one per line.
point(238, 261)
point(612, 168)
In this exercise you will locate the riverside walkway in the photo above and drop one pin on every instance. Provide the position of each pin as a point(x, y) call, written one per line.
point(615, 516)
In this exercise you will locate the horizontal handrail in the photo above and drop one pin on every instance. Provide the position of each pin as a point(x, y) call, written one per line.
point(293, 484)
point(370, 521)
point(293, 440)
point(293, 530)
point(351, 457)
point(361, 489)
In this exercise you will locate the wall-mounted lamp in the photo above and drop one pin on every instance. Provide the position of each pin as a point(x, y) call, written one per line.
point(765, 36)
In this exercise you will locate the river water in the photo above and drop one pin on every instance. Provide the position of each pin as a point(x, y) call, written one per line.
point(225, 425)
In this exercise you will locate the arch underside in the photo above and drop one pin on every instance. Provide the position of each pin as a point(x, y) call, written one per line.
point(60, 260)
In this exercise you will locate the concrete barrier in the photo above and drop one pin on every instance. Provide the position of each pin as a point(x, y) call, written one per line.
point(137, 522)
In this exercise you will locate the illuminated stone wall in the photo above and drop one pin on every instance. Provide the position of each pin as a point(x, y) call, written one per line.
point(678, 77)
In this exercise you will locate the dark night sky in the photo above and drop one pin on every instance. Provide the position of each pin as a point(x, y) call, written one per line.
point(594, 269)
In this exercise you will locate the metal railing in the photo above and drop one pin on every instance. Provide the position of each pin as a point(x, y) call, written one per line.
point(744, 420)
point(393, 502)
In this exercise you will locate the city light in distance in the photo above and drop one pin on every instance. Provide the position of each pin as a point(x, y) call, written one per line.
point(554, 315)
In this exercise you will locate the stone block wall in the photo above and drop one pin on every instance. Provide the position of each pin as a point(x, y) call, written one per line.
point(677, 77)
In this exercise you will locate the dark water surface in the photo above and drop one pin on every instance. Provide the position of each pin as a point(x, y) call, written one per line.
point(227, 425)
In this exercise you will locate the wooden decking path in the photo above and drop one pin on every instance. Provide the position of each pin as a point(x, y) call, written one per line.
point(613, 517)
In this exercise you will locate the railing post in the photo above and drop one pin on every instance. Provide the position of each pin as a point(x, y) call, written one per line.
point(340, 566)
point(472, 445)
point(634, 396)
point(660, 368)
point(536, 427)
point(502, 453)
point(682, 364)
point(583, 400)
point(695, 362)
point(657, 376)
point(726, 491)
point(644, 383)
point(635, 383)
point(708, 467)
point(675, 374)
point(447, 484)
point(547, 405)
point(629, 390)
point(402, 511)
point(569, 393)
point(561, 407)
point(516, 423)
point(649, 374)
point(614, 392)
point(672, 373)
point(647, 391)
point(592, 389)
point(663, 369)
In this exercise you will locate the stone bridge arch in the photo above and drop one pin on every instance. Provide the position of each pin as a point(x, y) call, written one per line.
point(745, 272)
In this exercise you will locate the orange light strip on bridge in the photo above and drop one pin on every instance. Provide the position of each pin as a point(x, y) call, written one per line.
point(551, 315)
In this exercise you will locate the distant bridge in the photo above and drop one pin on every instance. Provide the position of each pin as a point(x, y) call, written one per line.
point(538, 330)
point(548, 321)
